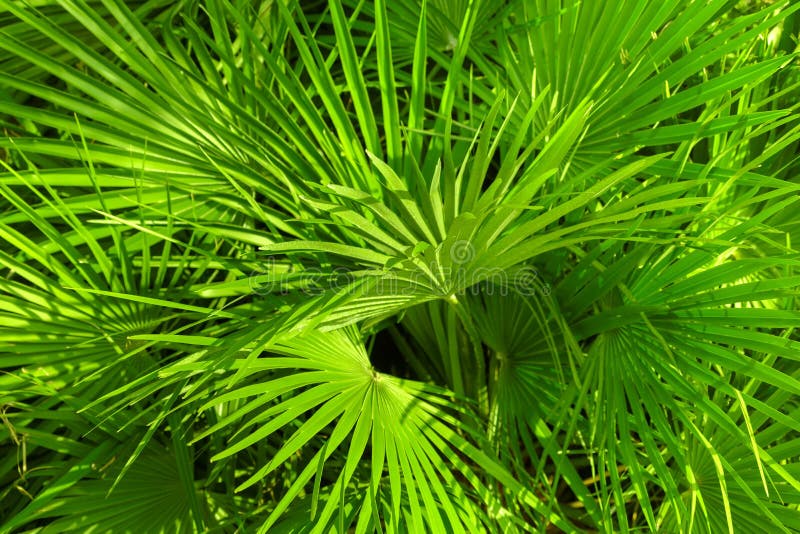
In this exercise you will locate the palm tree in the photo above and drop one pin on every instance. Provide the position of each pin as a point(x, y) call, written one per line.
point(399, 266)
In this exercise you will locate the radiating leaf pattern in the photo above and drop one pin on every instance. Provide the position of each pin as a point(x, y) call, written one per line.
point(408, 266)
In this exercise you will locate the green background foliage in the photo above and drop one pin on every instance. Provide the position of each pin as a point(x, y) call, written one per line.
point(407, 266)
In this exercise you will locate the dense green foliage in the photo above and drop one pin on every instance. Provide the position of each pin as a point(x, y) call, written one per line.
point(399, 266)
